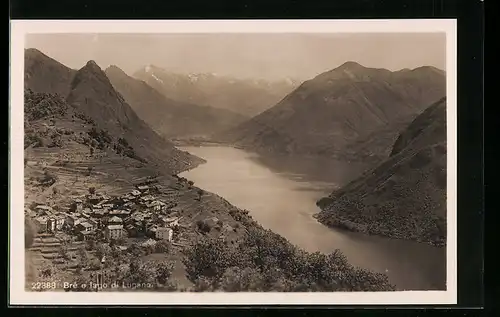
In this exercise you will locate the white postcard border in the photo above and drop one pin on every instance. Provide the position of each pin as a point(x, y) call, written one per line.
point(19, 28)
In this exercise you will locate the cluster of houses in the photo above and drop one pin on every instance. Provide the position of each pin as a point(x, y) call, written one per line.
point(97, 216)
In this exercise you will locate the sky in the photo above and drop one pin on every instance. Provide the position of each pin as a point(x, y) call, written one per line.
point(263, 56)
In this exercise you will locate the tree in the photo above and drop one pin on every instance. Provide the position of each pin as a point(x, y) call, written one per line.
point(163, 272)
point(200, 193)
point(63, 252)
point(46, 272)
point(235, 279)
point(89, 170)
point(102, 250)
point(208, 258)
point(162, 246)
point(203, 226)
point(84, 260)
point(72, 207)
point(92, 190)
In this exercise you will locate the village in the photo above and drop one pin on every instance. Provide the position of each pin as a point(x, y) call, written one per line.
point(99, 217)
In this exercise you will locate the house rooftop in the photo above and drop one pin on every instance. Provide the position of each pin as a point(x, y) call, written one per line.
point(44, 207)
point(164, 229)
point(115, 219)
point(115, 227)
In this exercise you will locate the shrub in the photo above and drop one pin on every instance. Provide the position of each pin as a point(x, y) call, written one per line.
point(203, 226)
point(162, 247)
point(208, 258)
point(164, 272)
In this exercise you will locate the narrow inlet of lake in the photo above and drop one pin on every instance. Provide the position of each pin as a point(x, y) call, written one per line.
point(281, 195)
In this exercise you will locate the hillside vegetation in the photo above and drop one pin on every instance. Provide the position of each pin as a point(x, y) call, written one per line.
point(405, 196)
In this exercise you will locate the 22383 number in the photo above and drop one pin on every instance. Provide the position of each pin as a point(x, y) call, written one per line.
point(43, 285)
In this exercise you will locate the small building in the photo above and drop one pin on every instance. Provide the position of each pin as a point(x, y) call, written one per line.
point(143, 188)
point(132, 230)
point(60, 220)
point(93, 223)
point(72, 220)
point(43, 210)
point(79, 204)
point(51, 224)
point(100, 213)
point(42, 223)
point(94, 199)
point(84, 226)
point(86, 235)
point(169, 220)
point(113, 232)
point(135, 193)
point(96, 207)
point(164, 233)
point(149, 243)
point(86, 212)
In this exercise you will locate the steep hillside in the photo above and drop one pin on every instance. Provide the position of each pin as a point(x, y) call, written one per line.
point(44, 74)
point(92, 94)
point(246, 97)
point(405, 196)
point(168, 117)
point(333, 113)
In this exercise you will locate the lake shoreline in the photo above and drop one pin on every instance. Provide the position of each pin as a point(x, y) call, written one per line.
point(351, 226)
point(239, 178)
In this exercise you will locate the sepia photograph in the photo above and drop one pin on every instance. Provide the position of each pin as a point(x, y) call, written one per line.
point(233, 161)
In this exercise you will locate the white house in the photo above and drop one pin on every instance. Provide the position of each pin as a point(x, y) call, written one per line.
point(164, 233)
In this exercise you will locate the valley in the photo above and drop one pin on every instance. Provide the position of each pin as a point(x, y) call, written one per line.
point(184, 184)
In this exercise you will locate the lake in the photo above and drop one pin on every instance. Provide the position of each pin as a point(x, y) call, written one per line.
point(281, 194)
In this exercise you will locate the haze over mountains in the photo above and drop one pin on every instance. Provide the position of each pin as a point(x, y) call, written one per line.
point(168, 117)
point(405, 196)
point(340, 112)
point(244, 96)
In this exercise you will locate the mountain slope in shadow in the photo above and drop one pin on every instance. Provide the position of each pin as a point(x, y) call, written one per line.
point(405, 196)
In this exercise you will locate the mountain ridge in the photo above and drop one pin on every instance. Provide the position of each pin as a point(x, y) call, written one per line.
point(327, 114)
point(90, 92)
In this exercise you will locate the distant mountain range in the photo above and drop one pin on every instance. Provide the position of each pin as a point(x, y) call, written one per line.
point(168, 117)
point(90, 92)
point(351, 112)
point(405, 196)
point(244, 96)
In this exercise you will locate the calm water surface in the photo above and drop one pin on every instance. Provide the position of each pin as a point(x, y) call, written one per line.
point(281, 195)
